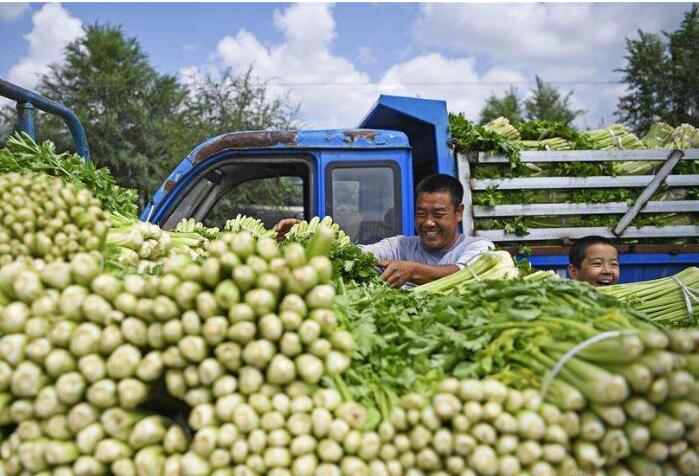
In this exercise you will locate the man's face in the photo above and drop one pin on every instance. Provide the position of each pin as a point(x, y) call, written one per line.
point(436, 220)
point(600, 266)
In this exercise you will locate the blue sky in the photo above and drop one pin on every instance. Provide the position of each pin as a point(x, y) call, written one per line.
point(334, 59)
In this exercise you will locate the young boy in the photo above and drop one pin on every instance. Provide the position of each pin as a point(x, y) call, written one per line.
point(594, 259)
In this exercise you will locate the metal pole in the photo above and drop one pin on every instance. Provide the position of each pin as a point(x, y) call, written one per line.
point(21, 95)
point(26, 119)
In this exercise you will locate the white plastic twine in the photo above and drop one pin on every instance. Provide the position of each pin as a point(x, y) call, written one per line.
point(473, 273)
point(689, 295)
point(572, 352)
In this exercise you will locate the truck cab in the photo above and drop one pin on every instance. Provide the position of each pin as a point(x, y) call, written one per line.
point(361, 177)
point(364, 178)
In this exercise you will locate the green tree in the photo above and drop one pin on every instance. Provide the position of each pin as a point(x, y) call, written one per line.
point(141, 123)
point(221, 102)
point(507, 106)
point(659, 77)
point(548, 104)
point(127, 108)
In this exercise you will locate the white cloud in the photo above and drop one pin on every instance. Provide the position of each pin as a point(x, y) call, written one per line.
point(462, 53)
point(536, 33)
point(575, 46)
point(304, 66)
point(332, 90)
point(12, 11)
point(53, 28)
point(433, 76)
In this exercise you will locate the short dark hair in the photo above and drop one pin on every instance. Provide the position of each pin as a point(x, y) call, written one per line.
point(442, 183)
point(577, 252)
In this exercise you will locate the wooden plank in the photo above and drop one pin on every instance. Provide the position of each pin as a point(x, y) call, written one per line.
point(543, 156)
point(541, 234)
point(556, 209)
point(648, 192)
point(546, 183)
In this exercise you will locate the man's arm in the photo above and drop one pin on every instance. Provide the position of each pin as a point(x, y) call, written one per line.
point(384, 250)
point(397, 272)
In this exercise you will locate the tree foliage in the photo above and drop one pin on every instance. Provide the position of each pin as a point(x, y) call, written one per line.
point(660, 74)
point(548, 104)
point(507, 106)
point(545, 103)
point(140, 123)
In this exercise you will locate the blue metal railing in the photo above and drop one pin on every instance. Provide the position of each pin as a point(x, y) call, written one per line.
point(27, 101)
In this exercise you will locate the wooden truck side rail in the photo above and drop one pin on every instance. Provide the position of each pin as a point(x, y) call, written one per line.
point(649, 184)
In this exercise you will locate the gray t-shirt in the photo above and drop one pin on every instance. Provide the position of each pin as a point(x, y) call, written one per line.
point(410, 248)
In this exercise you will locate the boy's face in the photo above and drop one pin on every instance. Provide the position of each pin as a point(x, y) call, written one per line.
point(600, 267)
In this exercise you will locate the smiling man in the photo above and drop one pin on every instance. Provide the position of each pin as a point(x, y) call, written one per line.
point(438, 249)
point(594, 259)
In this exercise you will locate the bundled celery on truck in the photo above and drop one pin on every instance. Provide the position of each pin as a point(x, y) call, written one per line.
point(143, 246)
point(242, 360)
point(237, 364)
point(546, 136)
point(489, 265)
point(349, 261)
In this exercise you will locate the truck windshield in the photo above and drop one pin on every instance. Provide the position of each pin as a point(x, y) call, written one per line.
point(364, 200)
point(268, 199)
point(267, 188)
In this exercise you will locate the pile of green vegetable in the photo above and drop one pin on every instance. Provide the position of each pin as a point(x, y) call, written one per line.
point(230, 353)
point(349, 261)
point(631, 388)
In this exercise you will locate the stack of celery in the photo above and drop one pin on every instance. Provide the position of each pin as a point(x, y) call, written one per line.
point(45, 218)
point(143, 246)
point(255, 357)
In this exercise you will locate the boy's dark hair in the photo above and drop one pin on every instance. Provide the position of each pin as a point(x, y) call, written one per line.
point(442, 183)
point(577, 252)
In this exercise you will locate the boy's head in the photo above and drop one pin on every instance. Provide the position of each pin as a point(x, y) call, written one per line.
point(594, 259)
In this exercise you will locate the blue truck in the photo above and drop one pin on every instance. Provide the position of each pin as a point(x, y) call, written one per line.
point(364, 178)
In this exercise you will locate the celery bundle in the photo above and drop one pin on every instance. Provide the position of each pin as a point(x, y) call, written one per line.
point(21, 154)
point(613, 137)
point(490, 265)
point(253, 226)
point(502, 126)
point(671, 301)
point(192, 226)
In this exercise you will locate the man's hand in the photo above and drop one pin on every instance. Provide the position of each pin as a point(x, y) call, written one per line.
point(396, 272)
point(284, 226)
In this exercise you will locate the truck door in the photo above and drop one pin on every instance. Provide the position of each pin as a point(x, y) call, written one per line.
point(265, 186)
point(367, 198)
